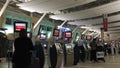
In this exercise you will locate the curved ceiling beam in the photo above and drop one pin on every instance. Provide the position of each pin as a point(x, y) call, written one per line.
point(53, 6)
point(93, 12)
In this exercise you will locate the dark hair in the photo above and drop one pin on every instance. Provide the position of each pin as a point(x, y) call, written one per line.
point(23, 33)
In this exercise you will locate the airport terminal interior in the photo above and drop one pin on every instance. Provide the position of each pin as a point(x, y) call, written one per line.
point(69, 33)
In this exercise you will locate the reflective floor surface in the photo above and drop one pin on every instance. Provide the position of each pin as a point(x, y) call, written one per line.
point(111, 62)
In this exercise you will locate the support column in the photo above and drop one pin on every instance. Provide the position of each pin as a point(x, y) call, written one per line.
point(62, 24)
point(2, 11)
point(34, 27)
point(31, 24)
point(74, 33)
point(97, 35)
point(84, 32)
point(102, 34)
point(4, 7)
point(39, 21)
point(1, 20)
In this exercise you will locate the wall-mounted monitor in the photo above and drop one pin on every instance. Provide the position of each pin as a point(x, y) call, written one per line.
point(56, 32)
point(43, 36)
point(19, 25)
point(68, 34)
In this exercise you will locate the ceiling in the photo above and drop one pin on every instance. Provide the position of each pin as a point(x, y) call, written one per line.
point(51, 6)
point(78, 12)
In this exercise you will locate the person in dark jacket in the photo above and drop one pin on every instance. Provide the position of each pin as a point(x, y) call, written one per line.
point(81, 44)
point(93, 45)
point(76, 54)
point(22, 55)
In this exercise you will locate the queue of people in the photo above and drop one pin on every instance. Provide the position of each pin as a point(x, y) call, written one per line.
point(86, 50)
point(89, 52)
point(23, 47)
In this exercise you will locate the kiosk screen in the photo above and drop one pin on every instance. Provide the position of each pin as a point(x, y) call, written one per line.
point(43, 36)
point(68, 34)
point(20, 25)
point(56, 32)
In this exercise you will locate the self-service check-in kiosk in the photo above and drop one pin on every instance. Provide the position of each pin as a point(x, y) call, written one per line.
point(59, 54)
point(69, 54)
point(56, 55)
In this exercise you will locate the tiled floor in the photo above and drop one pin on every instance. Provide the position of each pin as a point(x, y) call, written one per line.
point(111, 62)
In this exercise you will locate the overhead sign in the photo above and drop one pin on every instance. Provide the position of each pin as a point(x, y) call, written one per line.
point(105, 22)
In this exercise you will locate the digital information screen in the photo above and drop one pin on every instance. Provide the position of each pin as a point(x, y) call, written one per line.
point(56, 32)
point(68, 34)
point(19, 25)
point(43, 36)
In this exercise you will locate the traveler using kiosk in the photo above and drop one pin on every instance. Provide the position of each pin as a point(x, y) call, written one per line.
point(22, 55)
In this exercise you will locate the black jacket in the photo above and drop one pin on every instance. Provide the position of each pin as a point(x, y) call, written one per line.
point(23, 46)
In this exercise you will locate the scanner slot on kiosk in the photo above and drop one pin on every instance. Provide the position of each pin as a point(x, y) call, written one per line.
point(59, 54)
point(69, 54)
point(59, 48)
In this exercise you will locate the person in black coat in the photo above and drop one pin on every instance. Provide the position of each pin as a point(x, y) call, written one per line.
point(76, 54)
point(93, 46)
point(22, 55)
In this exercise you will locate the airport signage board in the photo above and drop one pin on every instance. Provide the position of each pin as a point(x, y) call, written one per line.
point(105, 22)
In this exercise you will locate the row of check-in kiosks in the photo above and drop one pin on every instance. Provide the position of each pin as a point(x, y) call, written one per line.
point(59, 55)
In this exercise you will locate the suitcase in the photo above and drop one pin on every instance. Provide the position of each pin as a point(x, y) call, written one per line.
point(100, 55)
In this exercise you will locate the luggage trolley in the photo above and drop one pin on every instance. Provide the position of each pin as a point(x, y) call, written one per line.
point(100, 53)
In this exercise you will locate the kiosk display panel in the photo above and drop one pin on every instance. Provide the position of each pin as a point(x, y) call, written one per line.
point(19, 25)
point(56, 32)
point(68, 34)
point(43, 36)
